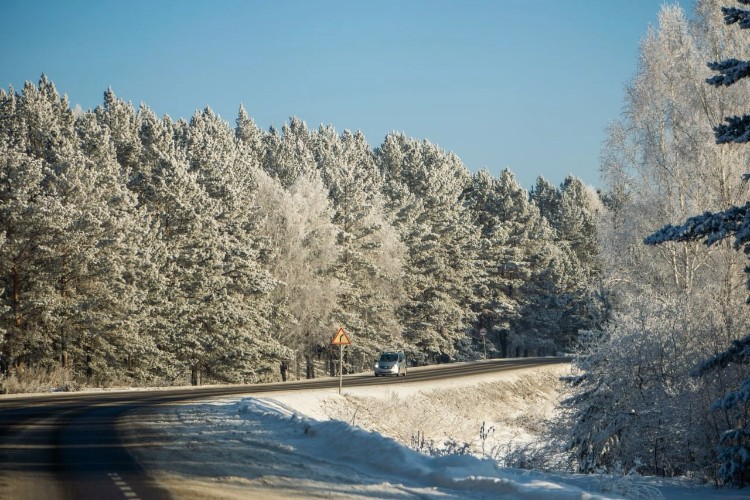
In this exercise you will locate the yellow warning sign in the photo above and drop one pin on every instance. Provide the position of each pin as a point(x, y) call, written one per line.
point(341, 338)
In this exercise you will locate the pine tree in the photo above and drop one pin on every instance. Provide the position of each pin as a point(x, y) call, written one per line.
point(120, 119)
point(501, 210)
point(24, 202)
point(67, 274)
point(251, 138)
point(213, 293)
point(114, 305)
point(241, 317)
point(425, 184)
point(290, 155)
point(565, 290)
point(369, 265)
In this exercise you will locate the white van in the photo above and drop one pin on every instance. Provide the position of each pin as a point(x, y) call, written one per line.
point(391, 363)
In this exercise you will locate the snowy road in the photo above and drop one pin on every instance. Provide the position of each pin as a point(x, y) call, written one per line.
point(67, 446)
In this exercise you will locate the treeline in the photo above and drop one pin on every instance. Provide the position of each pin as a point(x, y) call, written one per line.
point(140, 249)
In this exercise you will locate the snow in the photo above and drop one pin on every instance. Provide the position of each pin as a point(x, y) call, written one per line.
point(288, 445)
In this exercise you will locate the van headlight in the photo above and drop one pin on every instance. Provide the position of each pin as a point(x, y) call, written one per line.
point(377, 365)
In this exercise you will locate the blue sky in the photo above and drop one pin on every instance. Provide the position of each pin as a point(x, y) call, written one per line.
point(529, 86)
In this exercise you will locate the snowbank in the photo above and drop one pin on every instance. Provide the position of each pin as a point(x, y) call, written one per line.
point(271, 447)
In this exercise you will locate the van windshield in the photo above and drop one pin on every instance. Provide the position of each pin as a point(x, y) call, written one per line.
point(388, 357)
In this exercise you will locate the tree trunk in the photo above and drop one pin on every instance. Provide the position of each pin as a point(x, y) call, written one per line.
point(310, 367)
point(89, 369)
point(195, 375)
point(503, 335)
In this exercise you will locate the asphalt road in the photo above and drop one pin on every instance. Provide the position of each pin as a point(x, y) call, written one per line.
point(66, 446)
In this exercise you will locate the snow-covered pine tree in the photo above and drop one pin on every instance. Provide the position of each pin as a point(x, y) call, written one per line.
point(289, 155)
point(734, 448)
point(565, 299)
point(369, 266)
point(505, 218)
point(424, 185)
point(243, 350)
point(176, 203)
point(548, 199)
point(577, 225)
point(67, 274)
point(24, 201)
point(251, 138)
point(115, 305)
point(147, 357)
point(120, 119)
point(214, 295)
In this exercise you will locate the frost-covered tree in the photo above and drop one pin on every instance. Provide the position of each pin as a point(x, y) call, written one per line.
point(632, 403)
point(251, 138)
point(498, 206)
point(289, 155)
point(565, 286)
point(215, 295)
point(711, 228)
point(115, 306)
point(548, 199)
point(120, 119)
point(424, 185)
point(577, 225)
point(513, 277)
point(680, 302)
point(299, 228)
point(369, 266)
point(25, 201)
point(662, 146)
point(68, 219)
point(214, 155)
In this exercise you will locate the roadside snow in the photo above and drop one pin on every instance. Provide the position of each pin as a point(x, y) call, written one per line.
point(302, 444)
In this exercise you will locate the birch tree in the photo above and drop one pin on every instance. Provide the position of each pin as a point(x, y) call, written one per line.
point(734, 447)
point(661, 164)
point(302, 236)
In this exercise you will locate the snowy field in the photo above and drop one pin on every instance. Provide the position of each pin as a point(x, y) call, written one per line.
point(361, 444)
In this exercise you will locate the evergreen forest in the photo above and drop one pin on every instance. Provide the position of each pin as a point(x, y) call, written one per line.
point(146, 250)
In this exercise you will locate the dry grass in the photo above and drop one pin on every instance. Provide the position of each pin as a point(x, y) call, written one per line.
point(513, 410)
point(35, 380)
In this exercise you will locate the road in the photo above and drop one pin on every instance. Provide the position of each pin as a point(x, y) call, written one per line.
point(66, 446)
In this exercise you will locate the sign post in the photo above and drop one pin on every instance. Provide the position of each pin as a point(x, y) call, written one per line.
point(341, 339)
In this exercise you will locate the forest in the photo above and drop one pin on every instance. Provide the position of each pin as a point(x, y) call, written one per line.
point(148, 250)
point(145, 250)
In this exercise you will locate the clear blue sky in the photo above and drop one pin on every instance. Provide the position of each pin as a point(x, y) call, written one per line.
point(502, 83)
